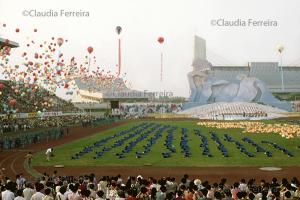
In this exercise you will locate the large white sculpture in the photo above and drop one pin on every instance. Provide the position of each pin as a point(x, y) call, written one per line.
point(205, 88)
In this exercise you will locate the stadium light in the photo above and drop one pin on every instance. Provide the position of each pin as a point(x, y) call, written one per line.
point(280, 49)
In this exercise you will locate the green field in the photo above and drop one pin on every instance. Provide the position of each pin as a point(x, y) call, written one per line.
point(64, 152)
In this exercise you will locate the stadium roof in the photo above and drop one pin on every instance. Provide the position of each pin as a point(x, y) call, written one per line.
point(6, 42)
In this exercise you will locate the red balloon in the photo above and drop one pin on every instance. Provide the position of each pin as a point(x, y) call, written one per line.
point(90, 50)
point(60, 41)
point(17, 30)
point(161, 40)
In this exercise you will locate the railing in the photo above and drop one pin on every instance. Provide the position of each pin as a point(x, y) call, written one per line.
point(23, 139)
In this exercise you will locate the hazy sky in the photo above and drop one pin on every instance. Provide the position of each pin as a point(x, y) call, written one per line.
point(143, 21)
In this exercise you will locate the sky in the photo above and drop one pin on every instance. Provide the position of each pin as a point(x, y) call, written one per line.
point(143, 21)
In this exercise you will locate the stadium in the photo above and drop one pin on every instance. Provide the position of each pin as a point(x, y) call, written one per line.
point(237, 136)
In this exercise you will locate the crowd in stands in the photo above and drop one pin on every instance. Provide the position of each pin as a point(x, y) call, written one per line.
point(145, 108)
point(88, 187)
point(18, 125)
point(19, 97)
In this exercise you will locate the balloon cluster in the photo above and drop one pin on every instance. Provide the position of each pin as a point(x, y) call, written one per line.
point(44, 64)
point(19, 97)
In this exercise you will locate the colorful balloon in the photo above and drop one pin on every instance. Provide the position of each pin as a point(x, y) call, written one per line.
point(90, 50)
point(161, 40)
point(60, 41)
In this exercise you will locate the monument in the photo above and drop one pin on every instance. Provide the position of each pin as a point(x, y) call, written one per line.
point(206, 88)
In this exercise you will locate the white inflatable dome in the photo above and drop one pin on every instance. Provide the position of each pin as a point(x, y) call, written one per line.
point(234, 111)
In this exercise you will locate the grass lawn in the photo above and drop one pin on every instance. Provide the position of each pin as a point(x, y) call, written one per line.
point(64, 152)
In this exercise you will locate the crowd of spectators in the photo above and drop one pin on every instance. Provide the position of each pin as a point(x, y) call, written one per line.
point(18, 125)
point(88, 187)
point(146, 108)
point(20, 97)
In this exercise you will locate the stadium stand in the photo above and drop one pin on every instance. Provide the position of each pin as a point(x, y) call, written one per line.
point(89, 187)
point(18, 97)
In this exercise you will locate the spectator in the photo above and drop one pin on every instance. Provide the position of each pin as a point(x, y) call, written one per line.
point(179, 195)
point(100, 195)
point(132, 193)
point(60, 195)
point(161, 194)
point(38, 195)
point(121, 195)
point(228, 195)
point(8, 194)
point(93, 194)
point(19, 195)
point(28, 191)
point(47, 194)
point(74, 195)
point(243, 186)
point(85, 194)
point(143, 195)
point(29, 157)
point(288, 195)
point(235, 190)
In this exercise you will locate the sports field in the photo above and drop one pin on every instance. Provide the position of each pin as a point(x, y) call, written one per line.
point(175, 143)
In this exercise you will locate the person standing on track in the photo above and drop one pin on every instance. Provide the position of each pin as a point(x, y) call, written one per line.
point(49, 153)
point(29, 157)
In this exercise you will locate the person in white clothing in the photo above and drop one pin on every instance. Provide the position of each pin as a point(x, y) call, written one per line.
point(60, 195)
point(28, 191)
point(19, 195)
point(8, 193)
point(49, 153)
point(38, 195)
